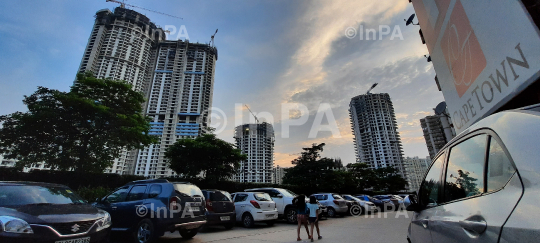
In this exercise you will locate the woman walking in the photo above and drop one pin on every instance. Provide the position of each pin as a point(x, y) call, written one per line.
point(313, 207)
point(301, 213)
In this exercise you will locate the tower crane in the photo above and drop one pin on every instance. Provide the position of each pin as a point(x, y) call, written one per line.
point(256, 119)
point(372, 86)
point(123, 5)
point(212, 39)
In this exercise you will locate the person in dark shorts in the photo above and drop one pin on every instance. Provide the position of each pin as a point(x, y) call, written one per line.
point(313, 207)
point(301, 213)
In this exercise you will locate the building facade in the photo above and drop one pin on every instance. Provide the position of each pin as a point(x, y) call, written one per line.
point(416, 168)
point(376, 139)
point(257, 142)
point(278, 174)
point(438, 130)
point(179, 100)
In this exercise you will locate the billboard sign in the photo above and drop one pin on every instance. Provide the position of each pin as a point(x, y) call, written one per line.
point(484, 53)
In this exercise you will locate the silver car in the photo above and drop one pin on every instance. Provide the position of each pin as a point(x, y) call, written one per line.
point(334, 203)
point(484, 185)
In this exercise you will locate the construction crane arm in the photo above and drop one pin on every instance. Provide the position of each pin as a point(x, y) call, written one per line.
point(123, 5)
point(252, 114)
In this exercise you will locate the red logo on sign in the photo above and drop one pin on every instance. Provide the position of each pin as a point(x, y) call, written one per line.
point(461, 49)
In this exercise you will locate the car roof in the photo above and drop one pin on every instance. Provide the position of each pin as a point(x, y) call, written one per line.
point(262, 188)
point(29, 183)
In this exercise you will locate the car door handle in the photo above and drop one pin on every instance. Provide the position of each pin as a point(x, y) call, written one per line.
point(113, 208)
point(477, 227)
point(424, 223)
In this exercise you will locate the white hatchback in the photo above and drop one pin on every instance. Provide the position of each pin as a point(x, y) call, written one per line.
point(254, 207)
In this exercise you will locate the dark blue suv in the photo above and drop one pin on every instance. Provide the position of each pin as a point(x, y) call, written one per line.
point(146, 209)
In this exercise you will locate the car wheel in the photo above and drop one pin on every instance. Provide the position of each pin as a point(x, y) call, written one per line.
point(188, 233)
point(144, 233)
point(270, 223)
point(331, 213)
point(247, 220)
point(291, 216)
point(229, 226)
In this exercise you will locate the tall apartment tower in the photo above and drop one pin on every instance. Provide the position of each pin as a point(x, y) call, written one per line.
point(376, 139)
point(438, 130)
point(257, 142)
point(179, 99)
point(122, 47)
point(279, 172)
point(416, 168)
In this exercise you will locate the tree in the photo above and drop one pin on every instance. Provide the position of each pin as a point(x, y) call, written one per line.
point(84, 129)
point(313, 171)
point(206, 154)
point(388, 179)
point(362, 176)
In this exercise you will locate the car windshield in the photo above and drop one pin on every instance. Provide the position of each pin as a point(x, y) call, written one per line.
point(188, 189)
point(262, 197)
point(287, 193)
point(336, 196)
point(20, 195)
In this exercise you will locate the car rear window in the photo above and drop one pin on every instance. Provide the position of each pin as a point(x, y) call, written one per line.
point(29, 194)
point(262, 197)
point(188, 189)
point(219, 196)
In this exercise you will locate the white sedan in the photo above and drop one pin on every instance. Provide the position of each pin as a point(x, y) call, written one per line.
point(254, 207)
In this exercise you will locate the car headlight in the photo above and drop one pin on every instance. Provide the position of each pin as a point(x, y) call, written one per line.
point(14, 225)
point(104, 222)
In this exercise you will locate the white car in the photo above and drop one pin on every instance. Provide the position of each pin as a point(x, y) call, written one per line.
point(334, 202)
point(254, 207)
point(283, 199)
point(366, 206)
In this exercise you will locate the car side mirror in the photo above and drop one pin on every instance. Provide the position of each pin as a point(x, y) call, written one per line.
point(152, 195)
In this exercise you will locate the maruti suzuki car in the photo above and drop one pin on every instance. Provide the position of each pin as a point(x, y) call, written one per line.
point(219, 208)
point(43, 212)
point(146, 209)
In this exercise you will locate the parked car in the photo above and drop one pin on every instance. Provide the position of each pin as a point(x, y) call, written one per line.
point(146, 209)
point(252, 207)
point(283, 199)
point(484, 185)
point(365, 206)
point(381, 205)
point(43, 212)
point(395, 202)
point(219, 208)
point(334, 203)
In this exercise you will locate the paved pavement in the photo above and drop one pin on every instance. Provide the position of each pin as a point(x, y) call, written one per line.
point(374, 228)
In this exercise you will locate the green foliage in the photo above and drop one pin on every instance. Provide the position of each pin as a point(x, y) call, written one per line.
point(327, 174)
point(82, 130)
point(206, 154)
point(90, 194)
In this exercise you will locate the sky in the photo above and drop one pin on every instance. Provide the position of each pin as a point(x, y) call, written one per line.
point(272, 54)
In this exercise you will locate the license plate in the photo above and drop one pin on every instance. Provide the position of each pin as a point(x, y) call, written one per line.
point(196, 204)
point(80, 240)
point(225, 218)
point(195, 209)
point(269, 215)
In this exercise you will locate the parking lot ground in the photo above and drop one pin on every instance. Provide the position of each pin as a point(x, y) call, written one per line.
point(369, 229)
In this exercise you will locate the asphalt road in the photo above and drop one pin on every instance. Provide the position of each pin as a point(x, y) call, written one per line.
point(368, 229)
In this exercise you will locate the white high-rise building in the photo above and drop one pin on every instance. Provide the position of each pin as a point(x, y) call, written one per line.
point(376, 139)
point(257, 142)
point(179, 100)
point(279, 172)
point(416, 168)
point(122, 47)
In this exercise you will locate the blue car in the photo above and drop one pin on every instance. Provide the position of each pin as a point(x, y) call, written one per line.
point(146, 209)
point(379, 203)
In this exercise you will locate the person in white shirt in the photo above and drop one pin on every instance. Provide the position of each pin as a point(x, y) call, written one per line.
point(313, 207)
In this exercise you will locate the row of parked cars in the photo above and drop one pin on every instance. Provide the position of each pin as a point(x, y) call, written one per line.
point(146, 209)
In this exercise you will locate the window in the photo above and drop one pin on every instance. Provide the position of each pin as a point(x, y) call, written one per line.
point(240, 198)
point(429, 191)
point(262, 197)
point(136, 193)
point(117, 196)
point(465, 172)
point(500, 169)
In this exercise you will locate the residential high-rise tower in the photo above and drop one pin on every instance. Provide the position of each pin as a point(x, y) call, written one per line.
point(376, 139)
point(257, 142)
